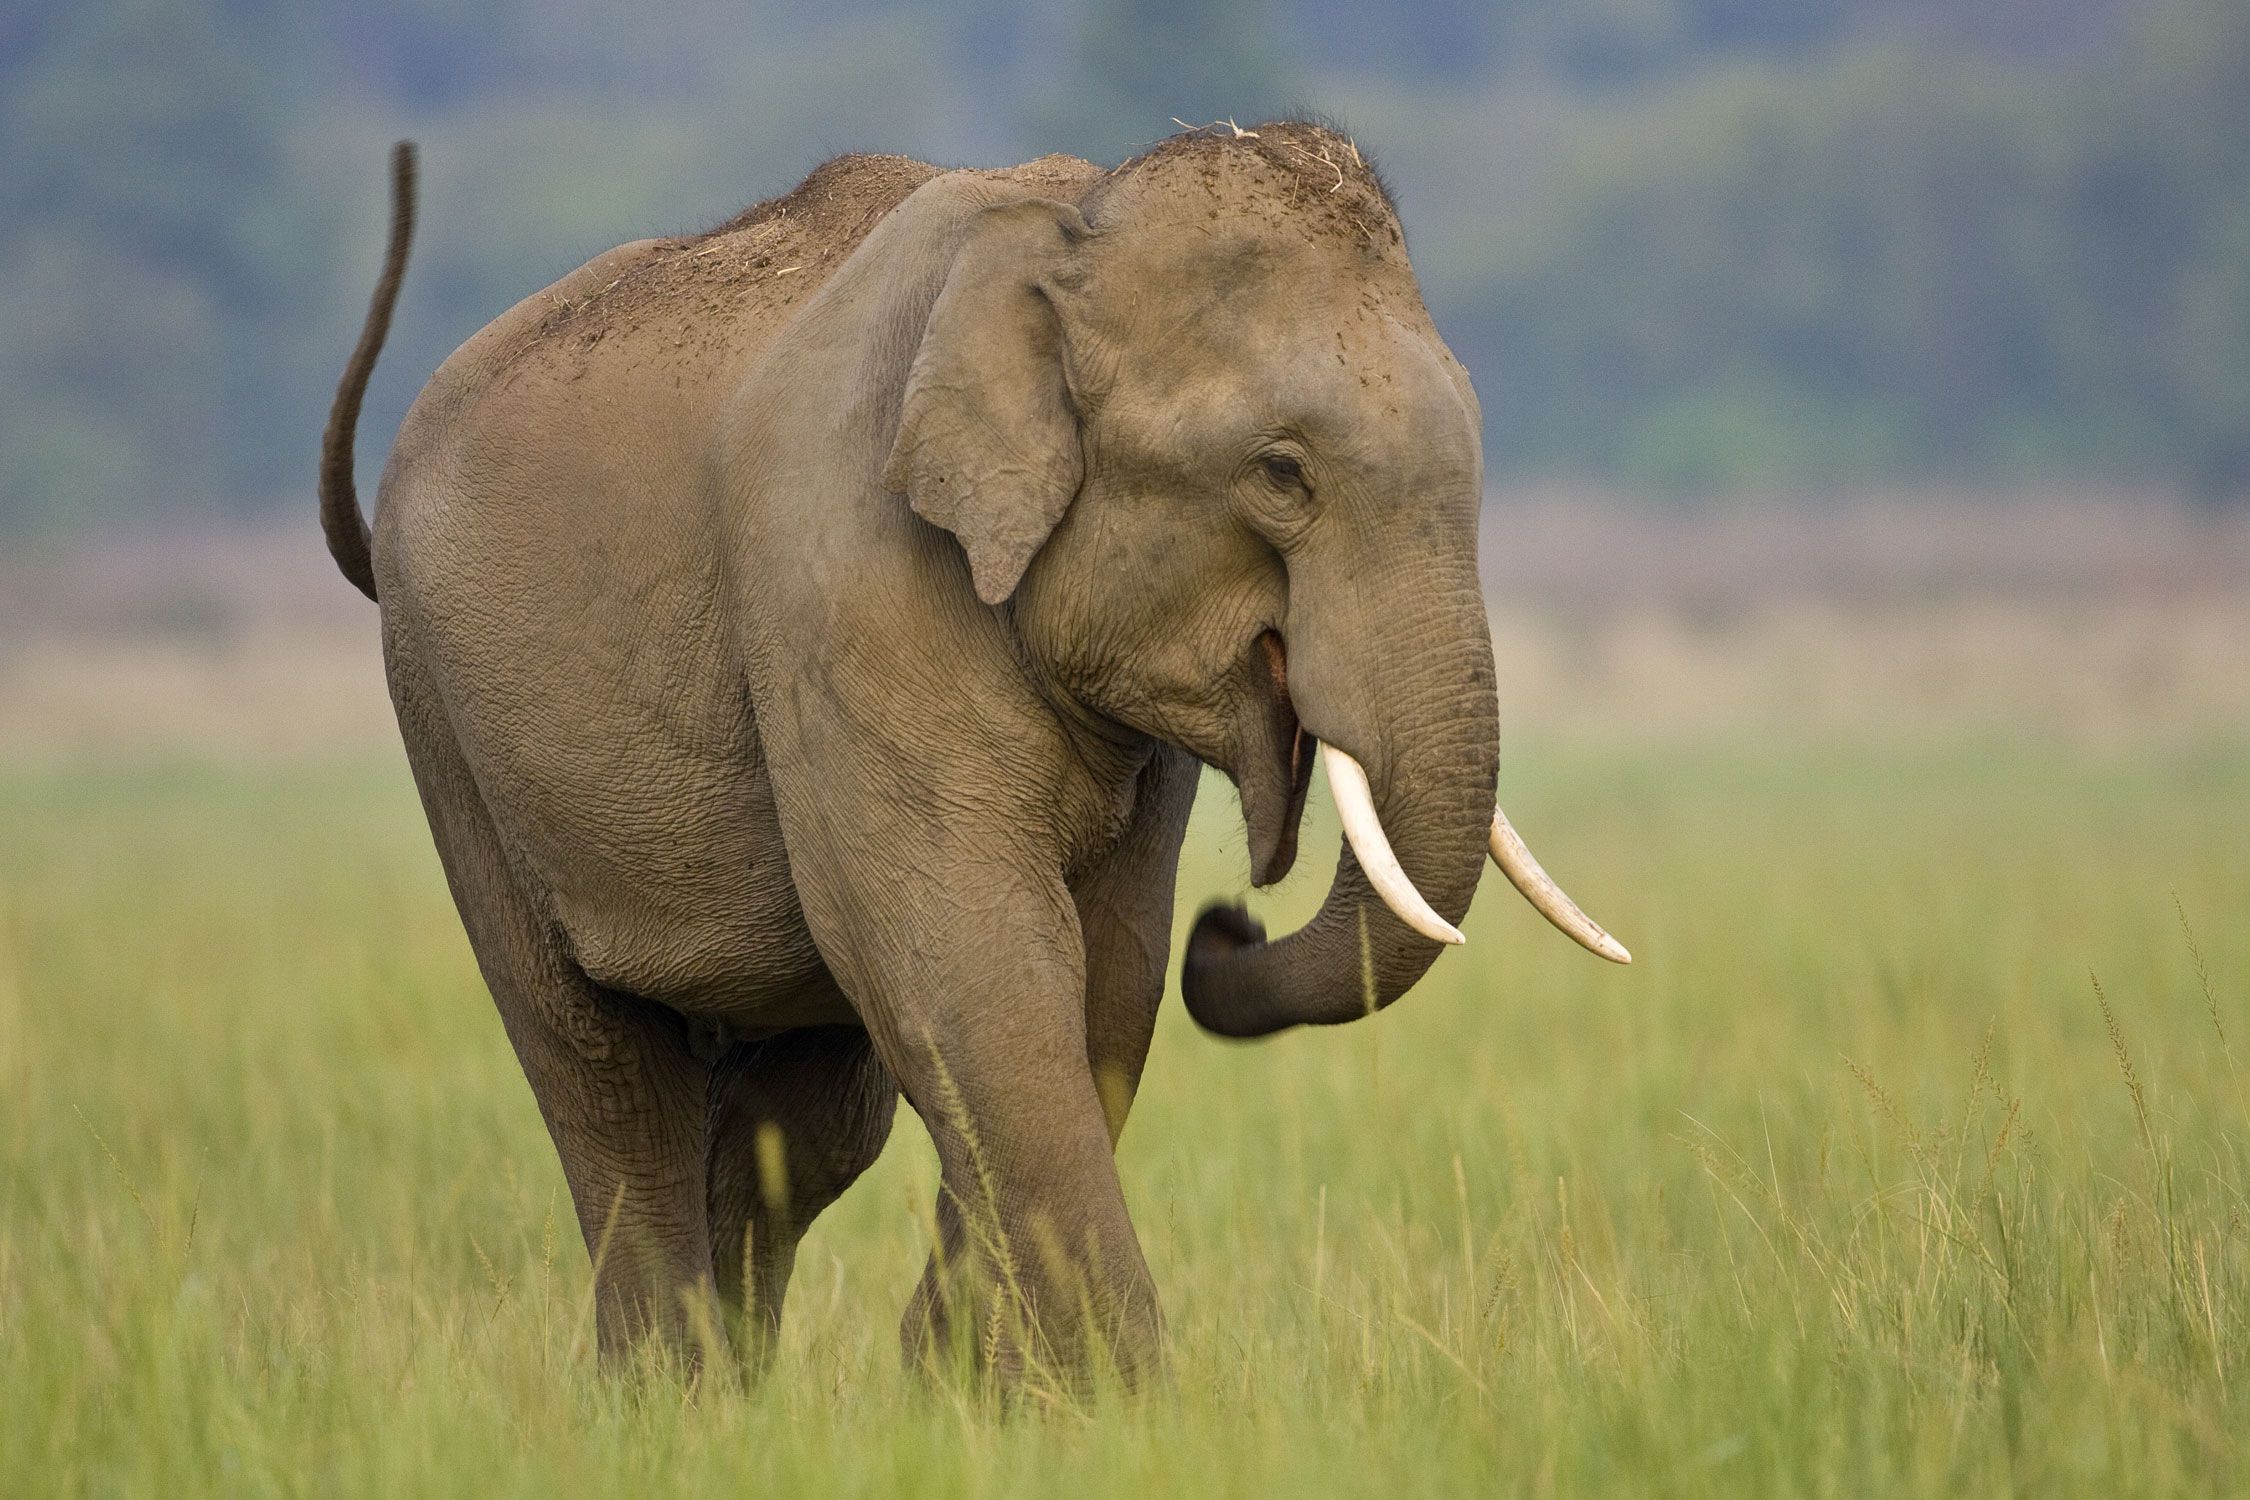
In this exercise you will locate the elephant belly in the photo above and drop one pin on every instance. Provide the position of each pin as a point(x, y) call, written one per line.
point(637, 810)
point(674, 887)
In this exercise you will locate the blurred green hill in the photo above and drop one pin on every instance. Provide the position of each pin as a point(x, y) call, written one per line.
point(1685, 245)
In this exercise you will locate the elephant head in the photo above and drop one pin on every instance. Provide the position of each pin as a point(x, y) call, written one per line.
point(1200, 435)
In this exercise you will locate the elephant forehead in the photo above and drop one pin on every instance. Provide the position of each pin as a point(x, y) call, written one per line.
point(1245, 268)
point(1358, 384)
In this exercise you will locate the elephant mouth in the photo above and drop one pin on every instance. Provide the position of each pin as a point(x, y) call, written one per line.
point(1274, 764)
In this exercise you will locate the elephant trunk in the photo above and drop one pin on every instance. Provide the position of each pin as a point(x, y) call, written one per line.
point(1412, 702)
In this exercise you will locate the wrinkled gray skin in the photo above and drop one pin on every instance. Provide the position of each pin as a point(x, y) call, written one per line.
point(805, 637)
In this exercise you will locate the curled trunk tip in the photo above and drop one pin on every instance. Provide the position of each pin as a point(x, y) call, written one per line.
point(1221, 929)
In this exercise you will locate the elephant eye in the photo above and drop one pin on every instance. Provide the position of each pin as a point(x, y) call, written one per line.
point(1282, 470)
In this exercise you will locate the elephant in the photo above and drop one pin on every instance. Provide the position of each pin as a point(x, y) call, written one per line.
point(807, 637)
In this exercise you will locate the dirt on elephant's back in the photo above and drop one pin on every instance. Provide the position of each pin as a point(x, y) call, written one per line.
point(770, 256)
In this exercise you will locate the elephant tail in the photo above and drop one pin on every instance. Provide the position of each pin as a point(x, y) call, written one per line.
point(340, 515)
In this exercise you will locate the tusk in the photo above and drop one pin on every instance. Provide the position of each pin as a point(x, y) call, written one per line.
point(1539, 888)
point(1347, 783)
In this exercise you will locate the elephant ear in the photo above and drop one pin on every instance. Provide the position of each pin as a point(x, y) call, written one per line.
point(988, 438)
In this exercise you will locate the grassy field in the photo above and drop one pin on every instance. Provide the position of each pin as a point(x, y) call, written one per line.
point(1910, 1158)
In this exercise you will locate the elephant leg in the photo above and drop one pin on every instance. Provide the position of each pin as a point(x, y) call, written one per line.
point(1125, 913)
point(1036, 1263)
point(623, 1098)
point(929, 1335)
point(973, 990)
point(794, 1119)
point(1124, 908)
point(1127, 941)
point(614, 1077)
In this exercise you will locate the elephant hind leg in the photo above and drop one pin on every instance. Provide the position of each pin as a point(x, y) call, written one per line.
point(794, 1119)
point(614, 1076)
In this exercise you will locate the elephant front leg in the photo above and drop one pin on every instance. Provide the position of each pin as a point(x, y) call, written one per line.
point(1125, 913)
point(973, 990)
point(1037, 1271)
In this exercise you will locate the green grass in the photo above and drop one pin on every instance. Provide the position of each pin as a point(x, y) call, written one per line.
point(1847, 1186)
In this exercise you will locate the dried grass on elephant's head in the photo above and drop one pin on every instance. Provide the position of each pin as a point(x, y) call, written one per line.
point(1312, 172)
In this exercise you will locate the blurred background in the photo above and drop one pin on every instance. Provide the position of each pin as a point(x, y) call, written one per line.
point(1782, 310)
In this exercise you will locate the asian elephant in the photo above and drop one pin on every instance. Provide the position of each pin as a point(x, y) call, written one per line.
point(807, 635)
